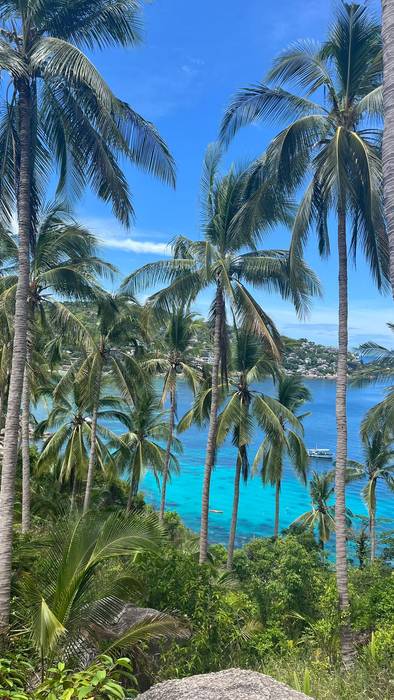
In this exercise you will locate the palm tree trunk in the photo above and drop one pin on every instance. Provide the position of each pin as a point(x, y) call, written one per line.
point(372, 522)
point(341, 456)
point(73, 492)
point(25, 444)
point(277, 510)
point(7, 494)
point(93, 444)
point(168, 453)
point(92, 460)
point(213, 425)
point(388, 139)
point(135, 480)
point(132, 492)
point(234, 516)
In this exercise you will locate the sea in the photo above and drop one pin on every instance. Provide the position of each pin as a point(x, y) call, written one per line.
point(257, 502)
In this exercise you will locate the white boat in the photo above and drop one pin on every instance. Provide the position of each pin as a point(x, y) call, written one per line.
point(320, 453)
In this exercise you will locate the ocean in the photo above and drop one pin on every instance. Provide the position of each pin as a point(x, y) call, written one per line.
point(256, 509)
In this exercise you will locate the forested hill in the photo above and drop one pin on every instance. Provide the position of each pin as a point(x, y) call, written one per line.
point(300, 356)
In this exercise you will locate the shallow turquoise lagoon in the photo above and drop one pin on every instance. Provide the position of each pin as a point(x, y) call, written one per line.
point(256, 511)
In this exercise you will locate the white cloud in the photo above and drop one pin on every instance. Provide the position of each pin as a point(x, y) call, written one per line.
point(110, 234)
point(136, 246)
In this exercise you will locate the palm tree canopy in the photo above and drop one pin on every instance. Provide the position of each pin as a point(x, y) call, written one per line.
point(236, 212)
point(378, 462)
point(79, 124)
point(291, 394)
point(63, 266)
point(332, 130)
point(322, 515)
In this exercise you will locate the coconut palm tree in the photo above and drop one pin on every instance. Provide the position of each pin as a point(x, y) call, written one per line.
point(388, 139)
point(236, 212)
point(66, 448)
point(380, 368)
point(174, 359)
point(70, 598)
point(332, 131)
point(237, 414)
point(63, 266)
point(108, 355)
point(59, 110)
point(140, 447)
point(377, 466)
point(291, 394)
point(322, 515)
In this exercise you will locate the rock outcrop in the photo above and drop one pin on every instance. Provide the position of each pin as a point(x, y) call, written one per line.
point(233, 684)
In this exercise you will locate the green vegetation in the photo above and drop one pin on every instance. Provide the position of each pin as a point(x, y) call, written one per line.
point(99, 595)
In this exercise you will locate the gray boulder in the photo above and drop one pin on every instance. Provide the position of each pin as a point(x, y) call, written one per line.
point(234, 684)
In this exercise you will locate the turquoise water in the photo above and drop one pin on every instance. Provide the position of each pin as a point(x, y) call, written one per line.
point(256, 510)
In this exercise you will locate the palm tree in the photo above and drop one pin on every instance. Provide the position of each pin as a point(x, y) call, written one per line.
point(388, 142)
point(60, 110)
point(140, 447)
point(63, 265)
point(237, 210)
point(336, 138)
point(380, 368)
point(107, 356)
point(236, 416)
point(66, 449)
point(70, 598)
point(291, 394)
point(378, 465)
point(322, 515)
point(172, 360)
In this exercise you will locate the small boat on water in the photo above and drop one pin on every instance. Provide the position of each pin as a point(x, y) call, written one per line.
point(320, 453)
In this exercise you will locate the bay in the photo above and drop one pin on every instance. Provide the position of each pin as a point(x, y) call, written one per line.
point(256, 509)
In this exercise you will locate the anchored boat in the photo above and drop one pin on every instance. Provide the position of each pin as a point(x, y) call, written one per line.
point(320, 453)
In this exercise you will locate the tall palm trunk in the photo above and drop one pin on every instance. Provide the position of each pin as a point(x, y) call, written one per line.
point(74, 492)
point(341, 455)
point(168, 450)
point(277, 509)
point(93, 447)
point(92, 460)
point(213, 424)
point(7, 494)
point(388, 139)
point(372, 524)
point(135, 480)
point(234, 516)
point(25, 445)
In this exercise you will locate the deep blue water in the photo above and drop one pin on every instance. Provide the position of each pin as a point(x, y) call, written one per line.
point(256, 510)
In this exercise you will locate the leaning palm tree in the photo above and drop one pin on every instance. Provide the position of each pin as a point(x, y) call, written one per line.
point(335, 137)
point(250, 364)
point(291, 394)
point(63, 266)
point(377, 466)
point(322, 515)
point(60, 111)
point(174, 359)
point(140, 448)
point(236, 212)
point(388, 138)
point(71, 597)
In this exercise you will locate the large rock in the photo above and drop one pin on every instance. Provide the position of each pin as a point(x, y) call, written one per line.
point(233, 684)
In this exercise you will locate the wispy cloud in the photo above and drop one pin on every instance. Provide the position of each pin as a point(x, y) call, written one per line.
point(110, 234)
point(136, 246)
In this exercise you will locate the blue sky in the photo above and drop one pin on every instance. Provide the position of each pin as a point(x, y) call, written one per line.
point(195, 56)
